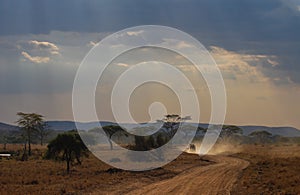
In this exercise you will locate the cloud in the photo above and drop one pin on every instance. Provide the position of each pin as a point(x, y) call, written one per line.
point(183, 44)
point(276, 22)
point(243, 66)
point(272, 62)
point(35, 59)
point(135, 33)
point(176, 43)
point(53, 49)
point(91, 44)
point(55, 73)
point(122, 64)
point(57, 78)
point(187, 68)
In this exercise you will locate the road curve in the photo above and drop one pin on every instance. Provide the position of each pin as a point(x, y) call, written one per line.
point(217, 178)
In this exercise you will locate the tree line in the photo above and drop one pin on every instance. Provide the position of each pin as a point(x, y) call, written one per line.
point(69, 147)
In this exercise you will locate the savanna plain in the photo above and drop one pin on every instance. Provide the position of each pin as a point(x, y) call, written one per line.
point(227, 169)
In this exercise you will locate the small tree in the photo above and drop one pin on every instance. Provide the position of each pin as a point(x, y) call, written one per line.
point(171, 122)
point(43, 132)
point(143, 141)
point(161, 139)
point(66, 147)
point(30, 123)
point(261, 136)
point(4, 139)
point(110, 131)
point(230, 130)
point(261, 133)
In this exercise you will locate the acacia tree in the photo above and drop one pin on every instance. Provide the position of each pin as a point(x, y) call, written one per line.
point(171, 122)
point(231, 134)
point(67, 147)
point(143, 141)
point(261, 136)
point(30, 123)
point(230, 130)
point(109, 131)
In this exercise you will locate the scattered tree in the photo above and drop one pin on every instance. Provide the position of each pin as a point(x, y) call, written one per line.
point(30, 123)
point(161, 139)
point(146, 142)
point(171, 123)
point(42, 132)
point(4, 142)
point(230, 130)
point(67, 147)
point(261, 136)
point(141, 143)
point(110, 131)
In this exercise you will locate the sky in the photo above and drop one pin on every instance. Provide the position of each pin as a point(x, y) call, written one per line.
point(256, 45)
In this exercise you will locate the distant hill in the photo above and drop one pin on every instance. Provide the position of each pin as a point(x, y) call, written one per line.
point(7, 127)
point(59, 125)
point(70, 125)
point(282, 131)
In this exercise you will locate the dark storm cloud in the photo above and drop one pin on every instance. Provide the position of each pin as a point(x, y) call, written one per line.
point(253, 20)
point(265, 27)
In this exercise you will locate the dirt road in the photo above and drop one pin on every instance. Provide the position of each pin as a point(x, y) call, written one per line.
point(217, 178)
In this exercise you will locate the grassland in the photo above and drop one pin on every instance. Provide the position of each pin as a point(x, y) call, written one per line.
point(39, 176)
point(272, 169)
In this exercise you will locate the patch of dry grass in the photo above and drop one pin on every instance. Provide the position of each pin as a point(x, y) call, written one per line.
point(39, 176)
point(272, 170)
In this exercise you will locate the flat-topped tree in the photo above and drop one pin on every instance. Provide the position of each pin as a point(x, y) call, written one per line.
point(110, 131)
point(171, 122)
point(30, 124)
point(261, 136)
point(230, 130)
point(260, 133)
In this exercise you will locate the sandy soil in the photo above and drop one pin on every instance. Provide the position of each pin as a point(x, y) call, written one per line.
point(212, 179)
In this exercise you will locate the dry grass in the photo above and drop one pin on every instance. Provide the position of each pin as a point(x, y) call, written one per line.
point(272, 170)
point(38, 176)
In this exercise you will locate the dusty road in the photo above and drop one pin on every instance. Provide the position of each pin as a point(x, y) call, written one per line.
point(212, 179)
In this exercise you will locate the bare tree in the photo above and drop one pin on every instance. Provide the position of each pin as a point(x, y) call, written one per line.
point(42, 132)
